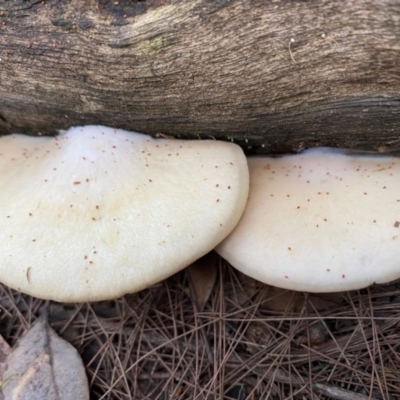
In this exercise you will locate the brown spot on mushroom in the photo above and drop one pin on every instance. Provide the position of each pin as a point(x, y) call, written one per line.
point(77, 183)
point(396, 224)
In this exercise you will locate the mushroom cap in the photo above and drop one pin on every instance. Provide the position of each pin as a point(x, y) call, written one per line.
point(321, 221)
point(96, 212)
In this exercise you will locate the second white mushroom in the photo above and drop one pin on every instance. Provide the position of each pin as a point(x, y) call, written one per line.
point(320, 221)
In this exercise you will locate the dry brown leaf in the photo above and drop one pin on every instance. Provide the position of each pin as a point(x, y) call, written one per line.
point(44, 366)
point(202, 275)
point(5, 351)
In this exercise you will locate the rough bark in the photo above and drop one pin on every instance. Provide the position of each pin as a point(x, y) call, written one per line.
point(272, 75)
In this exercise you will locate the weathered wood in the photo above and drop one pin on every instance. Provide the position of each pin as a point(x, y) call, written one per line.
point(274, 75)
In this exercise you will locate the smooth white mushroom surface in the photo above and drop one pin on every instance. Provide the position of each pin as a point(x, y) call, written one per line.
point(321, 221)
point(95, 212)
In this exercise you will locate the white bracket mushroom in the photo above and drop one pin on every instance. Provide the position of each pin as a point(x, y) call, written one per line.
point(96, 212)
point(320, 221)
